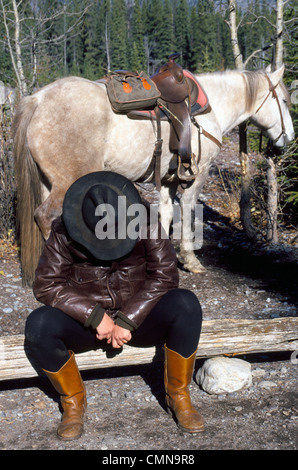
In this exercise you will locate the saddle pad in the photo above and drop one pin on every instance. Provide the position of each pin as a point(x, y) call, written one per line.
point(199, 99)
point(128, 92)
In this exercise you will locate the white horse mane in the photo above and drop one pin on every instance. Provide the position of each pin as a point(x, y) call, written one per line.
point(252, 80)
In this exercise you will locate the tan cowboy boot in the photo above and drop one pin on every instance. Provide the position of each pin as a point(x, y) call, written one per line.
point(68, 383)
point(177, 376)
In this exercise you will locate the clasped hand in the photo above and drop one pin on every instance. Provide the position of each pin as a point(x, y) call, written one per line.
point(114, 334)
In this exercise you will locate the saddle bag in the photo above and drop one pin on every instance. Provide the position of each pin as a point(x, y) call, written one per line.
point(129, 91)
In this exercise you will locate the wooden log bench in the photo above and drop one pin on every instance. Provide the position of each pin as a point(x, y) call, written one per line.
point(218, 337)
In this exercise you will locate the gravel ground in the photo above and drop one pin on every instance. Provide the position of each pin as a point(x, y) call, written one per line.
point(125, 405)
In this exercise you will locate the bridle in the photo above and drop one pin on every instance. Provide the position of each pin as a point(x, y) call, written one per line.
point(272, 89)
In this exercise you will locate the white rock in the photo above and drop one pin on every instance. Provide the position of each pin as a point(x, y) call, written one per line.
point(267, 384)
point(224, 375)
point(7, 310)
point(258, 372)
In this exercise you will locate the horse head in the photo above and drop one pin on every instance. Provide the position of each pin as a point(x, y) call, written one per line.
point(272, 113)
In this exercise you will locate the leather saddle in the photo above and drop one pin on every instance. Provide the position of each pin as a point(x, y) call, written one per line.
point(181, 99)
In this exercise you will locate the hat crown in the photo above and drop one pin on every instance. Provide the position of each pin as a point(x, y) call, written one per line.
point(91, 215)
point(100, 202)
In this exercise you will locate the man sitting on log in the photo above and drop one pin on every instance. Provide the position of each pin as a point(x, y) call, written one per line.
point(103, 284)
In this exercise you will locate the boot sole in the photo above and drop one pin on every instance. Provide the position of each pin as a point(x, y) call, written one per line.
point(187, 430)
point(61, 438)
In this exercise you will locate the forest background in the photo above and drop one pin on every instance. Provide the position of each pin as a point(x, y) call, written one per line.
point(89, 38)
point(43, 40)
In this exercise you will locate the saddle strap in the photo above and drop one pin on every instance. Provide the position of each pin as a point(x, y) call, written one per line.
point(211, 137)
point(158, 150)
point(202, 131)
point(155, 164)
point(180, 130)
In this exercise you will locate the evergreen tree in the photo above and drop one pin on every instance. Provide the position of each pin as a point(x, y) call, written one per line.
point(267, 31)
point(6, 71)
point(255, 33)
point(91, 55)
point(138, 56)
point(207, 36)
point(119, 35)
point(224, 43)
point(167, 37)
point(51, 57)
point(76, 53)
point(148, 42)
point(194, 40)
point(136, 34)
point(103, 36)
point(155, 30)
point(181, 32)
point(290, 171)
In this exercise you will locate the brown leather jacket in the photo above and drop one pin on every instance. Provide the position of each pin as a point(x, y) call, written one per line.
point(127, 289)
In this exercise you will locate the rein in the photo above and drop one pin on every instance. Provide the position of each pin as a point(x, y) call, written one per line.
point(272, 89)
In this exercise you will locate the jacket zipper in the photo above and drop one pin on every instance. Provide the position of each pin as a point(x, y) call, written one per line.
point(110, 292)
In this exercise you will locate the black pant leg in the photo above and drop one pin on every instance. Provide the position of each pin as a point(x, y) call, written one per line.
point(50, 334)
point(175, 320)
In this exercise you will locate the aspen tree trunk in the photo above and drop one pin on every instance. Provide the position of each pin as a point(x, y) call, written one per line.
point(234, 37)
point(272, 185)
point(20, 69)
point(107, 41)
point(272, 234)
point(245, 206)
point(15, 56)
point(278, 56)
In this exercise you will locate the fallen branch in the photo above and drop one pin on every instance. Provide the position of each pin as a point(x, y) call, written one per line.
point(218, 337)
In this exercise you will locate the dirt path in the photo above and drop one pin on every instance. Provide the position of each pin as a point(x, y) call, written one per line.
point(125, 406)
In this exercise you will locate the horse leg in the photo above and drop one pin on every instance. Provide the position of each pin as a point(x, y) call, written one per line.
point(190, 242)
point(167, 195)
point(49, 210)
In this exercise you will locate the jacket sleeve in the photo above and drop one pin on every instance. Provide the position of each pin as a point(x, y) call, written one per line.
point(51, 286)
point(162, 276)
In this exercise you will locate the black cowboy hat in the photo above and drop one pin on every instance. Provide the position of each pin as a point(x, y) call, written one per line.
point(96, 218)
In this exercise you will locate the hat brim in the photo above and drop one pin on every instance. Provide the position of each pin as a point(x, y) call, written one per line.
point(103, 249)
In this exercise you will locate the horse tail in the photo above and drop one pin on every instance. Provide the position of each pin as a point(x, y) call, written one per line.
point(28, 191)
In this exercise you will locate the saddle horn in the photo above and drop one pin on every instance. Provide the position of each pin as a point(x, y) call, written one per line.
point(174, 56)
point(171, 68)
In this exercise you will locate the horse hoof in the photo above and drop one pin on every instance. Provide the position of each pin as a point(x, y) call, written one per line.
point(195, 269)
point(198, 270)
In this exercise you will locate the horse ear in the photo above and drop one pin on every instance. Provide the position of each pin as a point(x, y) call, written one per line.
point(277, 75)
point(268, 68)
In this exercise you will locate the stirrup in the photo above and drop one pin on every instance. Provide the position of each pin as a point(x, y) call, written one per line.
point(183, 166)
